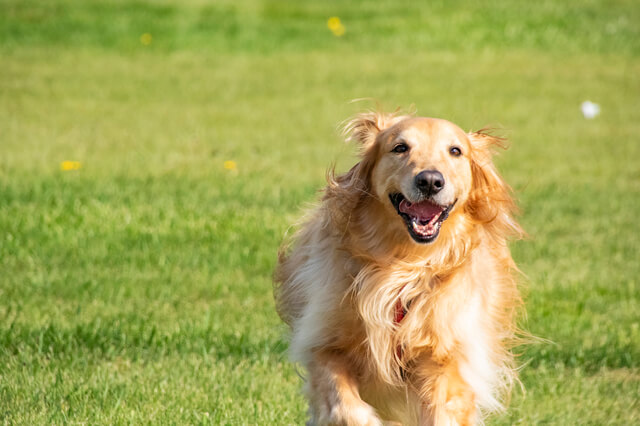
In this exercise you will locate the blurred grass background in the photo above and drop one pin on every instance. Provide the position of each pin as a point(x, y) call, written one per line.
point(137, 289)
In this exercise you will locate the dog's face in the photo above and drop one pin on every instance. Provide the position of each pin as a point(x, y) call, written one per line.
point(422, 171)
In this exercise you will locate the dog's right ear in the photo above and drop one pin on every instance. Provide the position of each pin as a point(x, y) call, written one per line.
point(365, 127)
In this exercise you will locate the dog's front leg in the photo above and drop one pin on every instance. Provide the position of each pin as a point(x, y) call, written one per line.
point(447, 398)
point(333, 393)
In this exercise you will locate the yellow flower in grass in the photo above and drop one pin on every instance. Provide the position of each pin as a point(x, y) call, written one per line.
point(70, 165)
point(336, 26)
point(230, 165)
point(146, 39)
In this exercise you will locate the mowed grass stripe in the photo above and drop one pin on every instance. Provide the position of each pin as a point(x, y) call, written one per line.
point(259, 26)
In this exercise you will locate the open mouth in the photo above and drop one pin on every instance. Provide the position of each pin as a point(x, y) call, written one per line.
point(423, 219)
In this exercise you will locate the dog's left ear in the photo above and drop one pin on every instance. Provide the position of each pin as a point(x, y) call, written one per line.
point(365, 127)
point(490, 201)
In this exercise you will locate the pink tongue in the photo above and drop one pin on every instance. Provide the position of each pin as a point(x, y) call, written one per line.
point(423, 210)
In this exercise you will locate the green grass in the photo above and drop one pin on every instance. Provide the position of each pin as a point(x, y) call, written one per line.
point(138, 288)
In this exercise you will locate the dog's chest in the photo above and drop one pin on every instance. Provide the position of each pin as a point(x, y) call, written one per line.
point(439, 315)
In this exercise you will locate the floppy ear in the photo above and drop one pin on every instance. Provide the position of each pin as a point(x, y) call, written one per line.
point(345, 191)
point(365, 127)
point(490, 201)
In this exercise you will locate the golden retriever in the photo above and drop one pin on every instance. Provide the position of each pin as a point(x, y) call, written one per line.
point(399, 287)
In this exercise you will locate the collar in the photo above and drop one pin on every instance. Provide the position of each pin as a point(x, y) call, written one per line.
point(399, 312)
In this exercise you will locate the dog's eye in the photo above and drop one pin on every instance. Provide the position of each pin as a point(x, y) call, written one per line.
point(455, 151)
point(400, 148)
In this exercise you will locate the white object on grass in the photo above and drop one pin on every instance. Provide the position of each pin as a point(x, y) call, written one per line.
point(589, 109)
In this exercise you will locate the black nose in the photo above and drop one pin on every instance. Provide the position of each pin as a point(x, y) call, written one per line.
point(429, 182)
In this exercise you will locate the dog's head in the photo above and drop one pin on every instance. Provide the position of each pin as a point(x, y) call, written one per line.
point(426, 170)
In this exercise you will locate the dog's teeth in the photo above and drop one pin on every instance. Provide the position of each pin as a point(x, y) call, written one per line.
point(427, 229)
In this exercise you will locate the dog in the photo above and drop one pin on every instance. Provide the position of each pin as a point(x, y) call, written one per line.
point(399, 287)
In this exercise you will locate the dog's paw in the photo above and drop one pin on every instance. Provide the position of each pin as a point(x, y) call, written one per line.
point(341, 415)
point(458, 412)
point(364, 415)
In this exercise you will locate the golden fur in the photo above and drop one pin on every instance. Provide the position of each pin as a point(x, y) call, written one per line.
point(341, 277)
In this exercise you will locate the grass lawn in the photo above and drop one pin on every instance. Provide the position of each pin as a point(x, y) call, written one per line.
point(137, 289)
